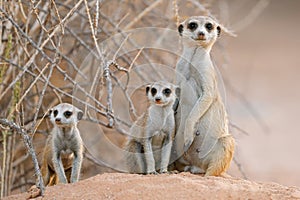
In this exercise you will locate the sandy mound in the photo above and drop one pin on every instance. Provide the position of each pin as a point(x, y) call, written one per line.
point(175, 186)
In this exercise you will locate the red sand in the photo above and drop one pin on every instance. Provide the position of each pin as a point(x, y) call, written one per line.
point(175, 186)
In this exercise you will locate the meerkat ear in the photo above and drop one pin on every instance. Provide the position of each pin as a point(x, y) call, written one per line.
point(147, 89)
point(180, 29)
point(219, 30)
point(79, 115)
point(50, 112)
point(177, 91)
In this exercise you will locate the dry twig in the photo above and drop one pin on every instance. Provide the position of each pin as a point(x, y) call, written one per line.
point(28, 143)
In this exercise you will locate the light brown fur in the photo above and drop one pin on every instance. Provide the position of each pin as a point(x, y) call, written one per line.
point(62, 156)
point(202, 137)
point(149, 146)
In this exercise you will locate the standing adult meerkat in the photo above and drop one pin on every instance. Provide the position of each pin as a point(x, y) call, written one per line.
point(63, 152)
point(202, 134)
point(149, 146)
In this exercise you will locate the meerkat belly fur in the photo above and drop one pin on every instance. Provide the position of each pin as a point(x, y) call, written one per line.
point(63, 152)
point(149, 146)
point(202, 135)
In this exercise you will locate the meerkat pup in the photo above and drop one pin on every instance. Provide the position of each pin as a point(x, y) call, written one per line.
point(63, 153)
point(149, 146)
point(202, 136)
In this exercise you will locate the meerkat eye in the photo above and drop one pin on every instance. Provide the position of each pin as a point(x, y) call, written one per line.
point(167, 91)
point(68, 114)
point(209, 26)
point(153, 91)
point(192, 26)
point(55, 113)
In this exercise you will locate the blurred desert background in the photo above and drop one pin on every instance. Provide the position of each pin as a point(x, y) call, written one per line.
point(264, 67)
point(259, 69)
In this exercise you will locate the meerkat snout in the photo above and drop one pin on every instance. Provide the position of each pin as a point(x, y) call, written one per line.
point(157, 99)
point(201, 35)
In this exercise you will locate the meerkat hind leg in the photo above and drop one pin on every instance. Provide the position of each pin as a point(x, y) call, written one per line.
point(140, 160)
point(68, 173)
point(135, 159)
point(45, 174)
point(53, 180)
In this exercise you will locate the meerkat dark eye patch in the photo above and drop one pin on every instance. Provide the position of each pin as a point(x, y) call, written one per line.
point(192, 26)
point(209, 26)
point(55, 113)
point(68, 114)
point(153, 91)
point(167, 92)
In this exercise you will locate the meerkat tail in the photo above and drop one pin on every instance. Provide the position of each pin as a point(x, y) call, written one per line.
point(221, 158)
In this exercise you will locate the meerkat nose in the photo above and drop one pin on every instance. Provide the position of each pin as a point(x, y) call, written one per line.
point(201, 35)
point(157, 99)
point(57, 119)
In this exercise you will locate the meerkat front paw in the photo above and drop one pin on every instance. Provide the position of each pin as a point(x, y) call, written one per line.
point(187, 144)
point(164, 172)
point(153, 172)
point(188, 136)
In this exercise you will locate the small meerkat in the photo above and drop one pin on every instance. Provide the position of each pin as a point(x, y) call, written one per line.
point(202, 137)
point(149, 146)
point(63, 152)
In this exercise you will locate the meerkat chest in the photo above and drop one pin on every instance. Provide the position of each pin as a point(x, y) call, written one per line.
point(194, 65)
point(190, 79)
point(66, 151)
point(66, 154)
point(160, 120)
point(65, 142)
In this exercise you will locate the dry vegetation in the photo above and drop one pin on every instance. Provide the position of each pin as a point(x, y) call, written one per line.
point(58, 51)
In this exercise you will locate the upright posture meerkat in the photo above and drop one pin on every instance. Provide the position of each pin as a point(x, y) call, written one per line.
point(63, 153)
point(201, 119)
point(149, 146)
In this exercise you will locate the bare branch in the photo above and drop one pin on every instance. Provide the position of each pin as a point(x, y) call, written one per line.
point(28, 143)
point(142, 14)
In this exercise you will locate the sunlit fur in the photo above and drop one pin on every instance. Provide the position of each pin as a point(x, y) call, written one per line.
point(202, 137)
